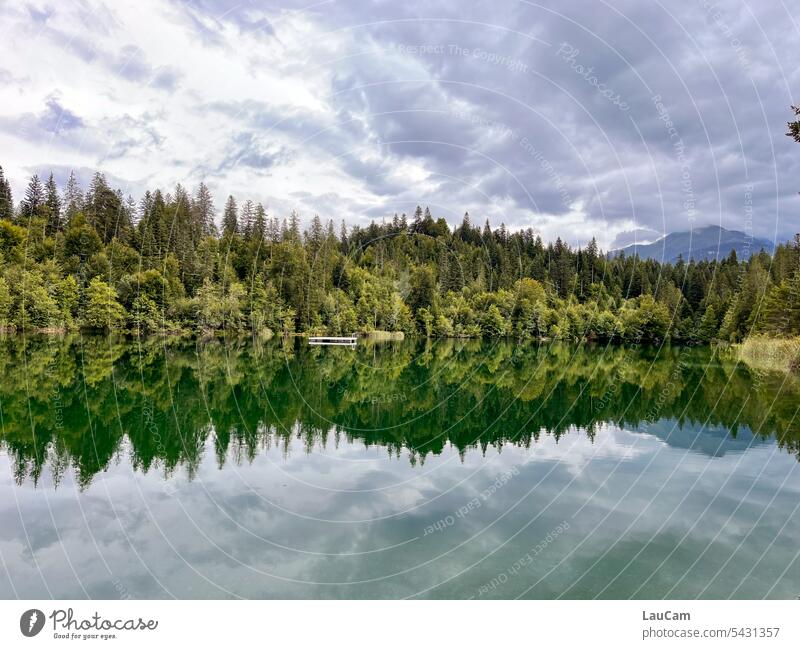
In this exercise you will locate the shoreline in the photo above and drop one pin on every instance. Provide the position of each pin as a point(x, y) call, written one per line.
point(761, 353)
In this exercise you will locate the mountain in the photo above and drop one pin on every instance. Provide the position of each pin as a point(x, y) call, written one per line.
point(709, 242)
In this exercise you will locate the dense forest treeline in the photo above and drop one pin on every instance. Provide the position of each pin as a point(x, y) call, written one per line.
point(92, 258)
point(167, 403)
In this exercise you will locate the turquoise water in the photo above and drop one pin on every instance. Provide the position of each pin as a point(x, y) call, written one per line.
point(417, 469)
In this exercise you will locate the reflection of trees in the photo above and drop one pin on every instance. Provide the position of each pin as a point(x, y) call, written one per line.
point(80, 402)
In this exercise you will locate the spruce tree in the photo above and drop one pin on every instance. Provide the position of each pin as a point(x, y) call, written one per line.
point(259, 224)
point(416, 225)
point(53, 203)
point(314, 235)
point(6, 202)
point(230, 218)
point(103, 208)
point(204, 211)
point(294, 227)
point(274, 234)
point(73, 198)
point(34, 198)
point(246, 215)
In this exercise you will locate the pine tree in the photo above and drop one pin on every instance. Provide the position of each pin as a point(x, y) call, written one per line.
point(182, 234)
point(73, 198)
point(416, 225)
point(53, 203)
point(314, 235)
point(6, 201)
point(330, 235)
point(130, 207)
point(427, 221)
point(464, 231)
point(246, 215)
point(103, 208)
point(259, 224)
point(145, 206)
point(203, 208)
point(230, 219)
point(153, 227)
point(34, 198)
point(487, 233)
point(274, 233)
point(294, 227)
point(591, 259)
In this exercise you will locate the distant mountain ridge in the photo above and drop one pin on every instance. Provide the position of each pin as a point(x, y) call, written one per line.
point(709, 242)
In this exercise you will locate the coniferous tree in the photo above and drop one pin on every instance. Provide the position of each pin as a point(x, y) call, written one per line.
point(132, 213)
point(204, 211)
point(259, 224)
point(314, 236)
point(103, 208)
point(230, 218)
point(794, 127)
point(416, 225)
point(53, 204)
point(173, 272)
point(6, 200)
point(293, 231)
point(343, 237)
point(274, 230)
point(73, 198)
point(246, 216)
point(34, 198)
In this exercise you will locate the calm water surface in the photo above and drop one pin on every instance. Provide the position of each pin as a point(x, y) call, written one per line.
point(439, 470)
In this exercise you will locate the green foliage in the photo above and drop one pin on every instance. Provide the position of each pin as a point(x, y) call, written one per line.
point(709, 324)
point(423, 289)
point(12, 239)
point(67, 297)
point(555, 389)
point(493, 324)
point(794, 127)
point(644, 319)
point(6, 200)
point(102, 311)
point(80, 241)
point(5, 303)
point(219, 307)
point(145, 315)
point(82, 260)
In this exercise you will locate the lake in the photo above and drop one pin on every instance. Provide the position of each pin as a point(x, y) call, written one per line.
point(436, 469)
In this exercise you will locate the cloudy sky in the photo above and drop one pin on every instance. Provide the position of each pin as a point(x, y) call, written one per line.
point(574, 118)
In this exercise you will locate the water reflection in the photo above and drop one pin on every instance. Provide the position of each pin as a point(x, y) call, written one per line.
point(82, 402)
point(236, 468)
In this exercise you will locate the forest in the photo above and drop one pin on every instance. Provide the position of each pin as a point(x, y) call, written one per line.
point(94, 259)
point(405, 396)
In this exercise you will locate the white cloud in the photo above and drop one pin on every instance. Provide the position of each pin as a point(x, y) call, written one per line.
point(334, 111)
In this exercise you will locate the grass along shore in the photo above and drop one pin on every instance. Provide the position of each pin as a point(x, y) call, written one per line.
point(771, 354)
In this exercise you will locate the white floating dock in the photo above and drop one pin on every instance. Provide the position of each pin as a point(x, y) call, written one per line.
point(333, 340)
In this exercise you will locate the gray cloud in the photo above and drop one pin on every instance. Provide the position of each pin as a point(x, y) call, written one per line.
point(53, 120)
point(248, 151)
point(578, 118)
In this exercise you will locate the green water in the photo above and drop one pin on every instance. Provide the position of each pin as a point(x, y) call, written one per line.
point(442, 470)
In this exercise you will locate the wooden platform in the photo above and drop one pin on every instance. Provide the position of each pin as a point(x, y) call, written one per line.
point(349, 341)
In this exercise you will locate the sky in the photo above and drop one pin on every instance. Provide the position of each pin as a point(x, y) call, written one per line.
point(619, 120)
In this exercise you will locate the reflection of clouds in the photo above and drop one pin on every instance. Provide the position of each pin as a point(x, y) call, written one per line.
point(254, 529)
point(611, 442)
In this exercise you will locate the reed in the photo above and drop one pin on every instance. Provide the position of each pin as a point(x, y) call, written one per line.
point(771, 354)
